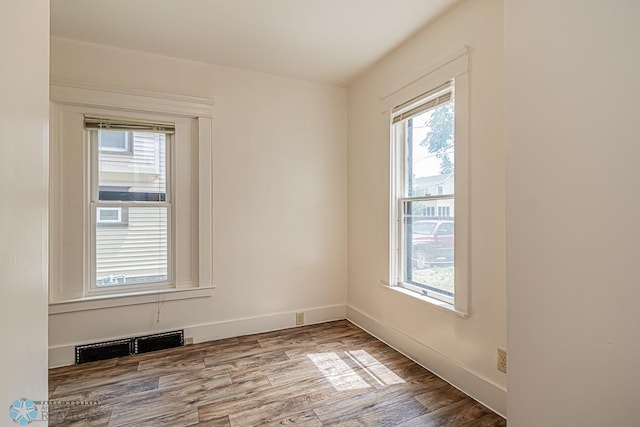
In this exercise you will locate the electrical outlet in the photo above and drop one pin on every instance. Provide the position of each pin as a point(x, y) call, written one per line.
point(299, 319)
point(188, 341)
point(502, 360)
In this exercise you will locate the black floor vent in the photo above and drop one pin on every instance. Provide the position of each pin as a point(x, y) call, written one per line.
point(126, 346)
point(158, 341)
point(103, 350)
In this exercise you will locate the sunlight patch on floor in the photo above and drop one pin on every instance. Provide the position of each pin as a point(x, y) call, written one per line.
point(376, 370)
point(339, 374)
point(343, 377)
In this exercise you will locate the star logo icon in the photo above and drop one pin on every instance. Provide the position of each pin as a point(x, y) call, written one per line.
point(23, 411)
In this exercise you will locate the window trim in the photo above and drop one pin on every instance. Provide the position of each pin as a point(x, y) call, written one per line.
point(454, 67)
point(68, 97)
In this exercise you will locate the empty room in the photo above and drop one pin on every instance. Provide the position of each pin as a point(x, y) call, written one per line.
point(319, 213)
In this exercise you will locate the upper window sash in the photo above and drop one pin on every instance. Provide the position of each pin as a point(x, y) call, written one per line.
point(148, 169)
point(436, 179)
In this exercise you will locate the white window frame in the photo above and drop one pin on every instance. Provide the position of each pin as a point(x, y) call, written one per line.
point(453, 68)
point(400, 181)
point(93, 137)
point(69, 271)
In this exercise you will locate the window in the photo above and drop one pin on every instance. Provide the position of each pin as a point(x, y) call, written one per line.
point(112, 216)
point(429, 192)
point(424, 134)
point(131, 197)
point(115, 141)
point(139, 253)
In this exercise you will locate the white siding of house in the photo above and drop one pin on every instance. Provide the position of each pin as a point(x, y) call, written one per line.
point(138, 249)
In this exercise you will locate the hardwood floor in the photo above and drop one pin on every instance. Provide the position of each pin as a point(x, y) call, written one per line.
point(331, 374)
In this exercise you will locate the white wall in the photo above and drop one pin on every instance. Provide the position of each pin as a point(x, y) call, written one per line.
point(461, 350)
point(573, 236)
point(24, 109)
point(280, 206)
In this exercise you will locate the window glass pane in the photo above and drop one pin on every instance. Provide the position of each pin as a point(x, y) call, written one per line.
point(135, 253)
point(428, 249)
point(109, 215)
point(429, 154)
point(139, 176)
point(115, 140)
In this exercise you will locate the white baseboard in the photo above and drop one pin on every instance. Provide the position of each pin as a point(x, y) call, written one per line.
point(64, 355)
point(481, 389)
point(255, 325)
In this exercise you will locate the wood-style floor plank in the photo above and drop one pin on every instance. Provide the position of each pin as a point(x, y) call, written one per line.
point(456, 414)
point(330, 374)
point(218, 422)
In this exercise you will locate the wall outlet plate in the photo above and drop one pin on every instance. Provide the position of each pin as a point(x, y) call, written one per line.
point(299, 319)
point(502, 360)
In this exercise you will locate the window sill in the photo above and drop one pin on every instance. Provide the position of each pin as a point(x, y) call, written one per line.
point(129, 298)
point(434, 302)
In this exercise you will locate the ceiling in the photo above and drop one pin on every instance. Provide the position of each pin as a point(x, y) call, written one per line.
point(328, 41)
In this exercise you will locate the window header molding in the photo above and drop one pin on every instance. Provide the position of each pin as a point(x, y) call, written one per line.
point(440, 73)
point(87, 95)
